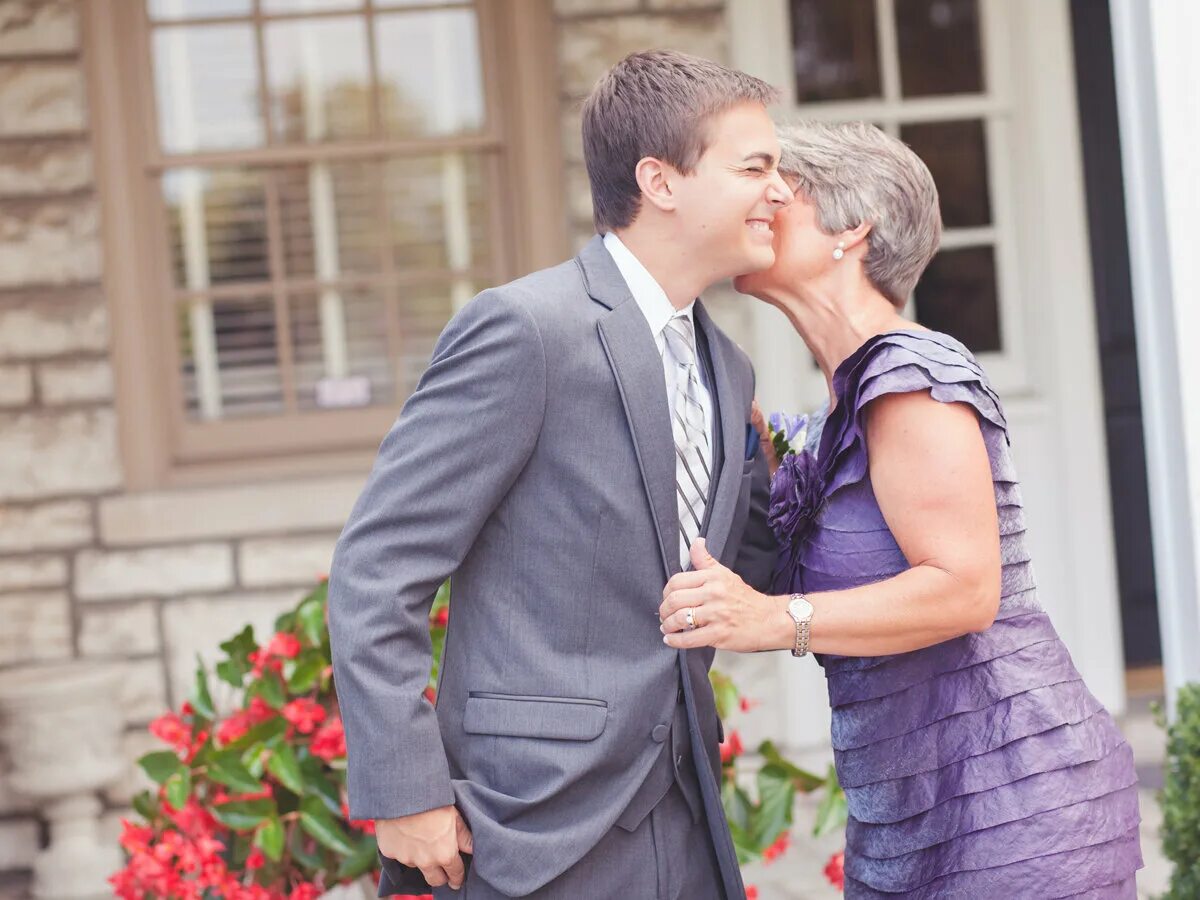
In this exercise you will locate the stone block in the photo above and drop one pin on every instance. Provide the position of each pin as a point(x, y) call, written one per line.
point(38, 26)
point(143, 690)
point(37, 627)
point(18, 843)
point(49, 242)
point(243, 511)
point(16, 385)
point(83, 381)
point(136, 742)
point(40, 98)
point(152, 572)
point(579, 194)
point(271, 562)
point(119, 629)
point(198, 625)
point(11, 802)
point(35, 324)
point(45, 167)
point(587, 47)
point(593, 7)
point(18, 573)
point(45, 526)
point(673, 5)
point(46, 454)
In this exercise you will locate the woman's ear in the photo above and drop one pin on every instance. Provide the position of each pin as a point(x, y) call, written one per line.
point(654, 179)
point(852, 237)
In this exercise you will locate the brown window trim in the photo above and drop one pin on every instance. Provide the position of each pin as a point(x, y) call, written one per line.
point(159, 446)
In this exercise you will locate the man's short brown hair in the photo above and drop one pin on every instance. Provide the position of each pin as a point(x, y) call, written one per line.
point(654, 103)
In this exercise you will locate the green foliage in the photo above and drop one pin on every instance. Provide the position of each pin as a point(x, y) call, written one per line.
point(1180, 797)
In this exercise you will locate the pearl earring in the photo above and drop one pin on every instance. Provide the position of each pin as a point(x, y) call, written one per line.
point(840, 251)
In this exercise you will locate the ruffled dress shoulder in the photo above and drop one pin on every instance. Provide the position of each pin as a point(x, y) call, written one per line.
point(982, 766)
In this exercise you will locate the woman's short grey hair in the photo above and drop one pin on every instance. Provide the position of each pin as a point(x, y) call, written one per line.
point(854, 173)
point(656, 103)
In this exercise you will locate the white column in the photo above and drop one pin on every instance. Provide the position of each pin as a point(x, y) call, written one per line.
point(1157, 69)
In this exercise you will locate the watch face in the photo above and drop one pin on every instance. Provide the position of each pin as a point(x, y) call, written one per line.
point(800, 609)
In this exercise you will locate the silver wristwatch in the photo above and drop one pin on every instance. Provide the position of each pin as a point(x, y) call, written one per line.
point(801, 612)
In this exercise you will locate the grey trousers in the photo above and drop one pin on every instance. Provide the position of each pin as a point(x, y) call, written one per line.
point(668, 857)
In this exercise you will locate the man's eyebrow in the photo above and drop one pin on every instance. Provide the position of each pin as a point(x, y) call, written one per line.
point(767, 158)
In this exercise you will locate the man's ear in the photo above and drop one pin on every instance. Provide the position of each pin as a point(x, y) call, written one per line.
point(654, 177)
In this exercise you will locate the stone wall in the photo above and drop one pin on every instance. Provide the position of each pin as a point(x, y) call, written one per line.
point(88, 570)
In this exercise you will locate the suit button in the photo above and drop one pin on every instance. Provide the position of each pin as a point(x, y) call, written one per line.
point(660, 733)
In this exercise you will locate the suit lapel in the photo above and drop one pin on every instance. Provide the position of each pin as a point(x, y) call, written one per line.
point(733, 429)
point(637, 368)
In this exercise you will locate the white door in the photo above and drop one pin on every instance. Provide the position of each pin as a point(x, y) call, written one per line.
point(984, 91)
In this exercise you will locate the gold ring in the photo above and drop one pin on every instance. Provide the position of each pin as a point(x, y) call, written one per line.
point(689, 615)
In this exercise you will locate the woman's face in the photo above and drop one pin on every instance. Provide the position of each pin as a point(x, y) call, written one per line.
point(803, 252)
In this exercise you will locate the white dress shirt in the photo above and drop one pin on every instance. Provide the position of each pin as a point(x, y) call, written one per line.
point(653, 302)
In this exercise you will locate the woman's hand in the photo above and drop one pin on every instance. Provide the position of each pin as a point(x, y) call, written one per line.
point(759, 421)
point(728, 613)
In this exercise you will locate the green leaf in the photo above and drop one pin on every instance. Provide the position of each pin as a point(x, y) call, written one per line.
point(160, 765)
point(316, 820)
point(241, 645)
point(318, 784)
point(269, 838)
point(724, 692)
point(242, 815)
point(283, 765)
point(310, 860)
point(804, 781)
point(361, 861)
point(226, 767)
point(305, 671)
point(260, 733)
point(285, 622)
point(832, 813)
point(232, 672)
point(738, 807)
point(270, 689)
point(179, 788)
point(311, 616)
point(145, 804)
point(201, 698)
point(774, 813)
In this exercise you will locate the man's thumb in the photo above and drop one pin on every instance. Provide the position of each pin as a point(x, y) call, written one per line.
point(701, 558)
point(464, 834)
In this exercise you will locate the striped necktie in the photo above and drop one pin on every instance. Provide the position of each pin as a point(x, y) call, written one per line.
point(692, 476)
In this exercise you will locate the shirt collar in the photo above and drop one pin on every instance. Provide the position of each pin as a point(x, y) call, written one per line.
point(647, 292)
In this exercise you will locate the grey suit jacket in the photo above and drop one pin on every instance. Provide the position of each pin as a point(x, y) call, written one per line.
point(534, 463)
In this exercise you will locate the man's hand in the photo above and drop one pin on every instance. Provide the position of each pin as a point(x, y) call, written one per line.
point(431, 841)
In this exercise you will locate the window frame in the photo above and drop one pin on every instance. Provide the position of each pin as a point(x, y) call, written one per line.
point(160, 446)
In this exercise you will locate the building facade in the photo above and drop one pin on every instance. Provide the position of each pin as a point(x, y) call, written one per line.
point(230, 231)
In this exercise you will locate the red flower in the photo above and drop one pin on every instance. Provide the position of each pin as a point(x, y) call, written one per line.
point(835, 870)
point(329, 743)
point(233, 728)
point(731, 747)
point(283, 644)
point(256, 860)
point(751, 892)
point(367, 826)
point(259, 710)
point(430, 694)
point(304, 713)
point(307, 891)
point(441, 617)
point(778, 848)
point(170, 729)
point(746, 704)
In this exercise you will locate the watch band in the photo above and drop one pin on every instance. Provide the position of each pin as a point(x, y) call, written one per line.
point(803, 630)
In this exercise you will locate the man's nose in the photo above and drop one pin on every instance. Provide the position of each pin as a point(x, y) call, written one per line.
point(778, 191)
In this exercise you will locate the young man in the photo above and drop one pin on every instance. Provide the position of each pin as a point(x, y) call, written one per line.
point(574, 434)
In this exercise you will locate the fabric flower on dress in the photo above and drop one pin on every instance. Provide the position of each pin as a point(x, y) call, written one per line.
point(797, 495)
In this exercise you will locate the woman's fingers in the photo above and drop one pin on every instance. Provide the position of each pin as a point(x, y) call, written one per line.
point(677, 600)
point(682, 581)
point(686, 640)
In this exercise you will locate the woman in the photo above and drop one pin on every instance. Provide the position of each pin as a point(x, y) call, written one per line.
point(975, 761)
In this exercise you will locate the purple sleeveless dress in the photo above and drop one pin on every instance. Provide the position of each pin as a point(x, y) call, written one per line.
point(980, 767)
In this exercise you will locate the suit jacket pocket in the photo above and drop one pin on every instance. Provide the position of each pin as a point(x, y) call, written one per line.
point(523, 715)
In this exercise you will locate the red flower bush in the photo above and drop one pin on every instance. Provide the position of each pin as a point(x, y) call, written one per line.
point(251, 804)
point(835, 872)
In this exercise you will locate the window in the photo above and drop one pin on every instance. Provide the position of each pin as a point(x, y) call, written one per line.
point(934, 73)
point(317, 185)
